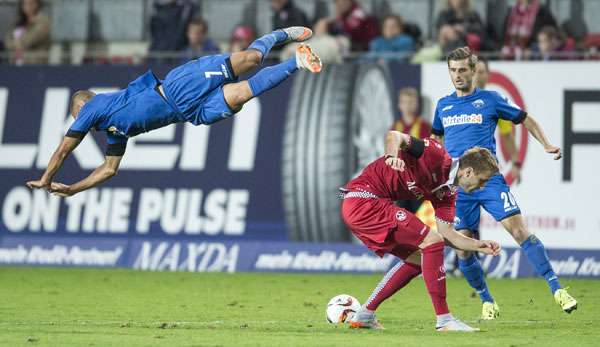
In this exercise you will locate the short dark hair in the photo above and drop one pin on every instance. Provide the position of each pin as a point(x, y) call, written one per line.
point(199, 21)
point(79, 95)
point(462, 53)
point(480, 159)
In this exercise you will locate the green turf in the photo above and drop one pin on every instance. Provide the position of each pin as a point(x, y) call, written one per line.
point(54, 307)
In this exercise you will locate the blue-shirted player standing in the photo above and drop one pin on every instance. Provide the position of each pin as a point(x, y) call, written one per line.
point(465, 119)
point(202, 91)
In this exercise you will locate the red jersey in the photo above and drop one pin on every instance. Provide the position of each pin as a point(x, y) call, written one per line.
point(426, 175)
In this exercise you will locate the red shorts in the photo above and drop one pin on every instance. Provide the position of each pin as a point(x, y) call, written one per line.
point(384, 227)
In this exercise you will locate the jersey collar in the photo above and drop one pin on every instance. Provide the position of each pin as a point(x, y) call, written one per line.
point(451, 176)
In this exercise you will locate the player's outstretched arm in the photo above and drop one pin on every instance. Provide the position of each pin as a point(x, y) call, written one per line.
point(536, 130)
point(102, 173)
point(67, 146)
point(460, 241)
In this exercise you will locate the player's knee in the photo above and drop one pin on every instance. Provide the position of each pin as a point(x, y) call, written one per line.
point(252, 58)
point(414, 258)
point(519, 233)
point(431, 238)
point(236, 94)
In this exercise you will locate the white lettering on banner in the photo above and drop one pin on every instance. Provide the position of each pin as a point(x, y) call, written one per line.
point(200, 257)
point(119, 210)
point(8, 159)
point(178, 210)
point(99, 210)
point(194, 146)
point(60, 255)
point(193, 149)
point(506, 265)
point(151, 157)
point(324, 261)
point(75, 207)
point(44, 213)
point(245, 137)
point(16, 209)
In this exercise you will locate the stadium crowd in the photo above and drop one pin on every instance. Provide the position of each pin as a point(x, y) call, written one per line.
point(528, 30)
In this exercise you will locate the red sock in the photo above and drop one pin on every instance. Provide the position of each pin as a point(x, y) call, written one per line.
point(434, 275)
point(396, 278)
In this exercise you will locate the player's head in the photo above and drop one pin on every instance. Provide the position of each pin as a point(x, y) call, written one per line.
point(78, 100)
point(196, 31)
point(475, 168)
point(461, 65)
point(408, 101)
point(482, 73)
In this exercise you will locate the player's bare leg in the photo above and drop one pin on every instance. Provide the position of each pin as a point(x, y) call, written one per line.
point(537, 256)
point(237, 94)
point(250, 59)
point(434, 275)
point(470, 266)
point(394, 280)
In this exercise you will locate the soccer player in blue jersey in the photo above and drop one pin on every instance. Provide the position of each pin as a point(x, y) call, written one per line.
point(202, 91)
point(465, 119)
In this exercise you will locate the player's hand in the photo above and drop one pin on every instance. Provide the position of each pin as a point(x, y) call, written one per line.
point(489, 247)
point(60, 189)
point(554, 150)
point(395, 163)
point(39, 184)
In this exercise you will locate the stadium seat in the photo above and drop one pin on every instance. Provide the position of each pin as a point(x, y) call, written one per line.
point(70, 20)
point(118, 20)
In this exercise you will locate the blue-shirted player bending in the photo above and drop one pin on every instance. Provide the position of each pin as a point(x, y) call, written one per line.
point(465, 119)
point(202, 91)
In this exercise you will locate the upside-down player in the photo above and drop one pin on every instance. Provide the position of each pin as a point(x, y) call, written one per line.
point(467, 118)
point(202, 91)
point(413, 169)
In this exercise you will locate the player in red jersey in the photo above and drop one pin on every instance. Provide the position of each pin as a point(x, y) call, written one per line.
point(414, 169)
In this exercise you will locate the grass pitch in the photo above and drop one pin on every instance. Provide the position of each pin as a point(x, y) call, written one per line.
point(60, 307)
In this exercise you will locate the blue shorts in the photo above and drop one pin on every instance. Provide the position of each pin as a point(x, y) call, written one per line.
point(195, 89)
point(495, 197)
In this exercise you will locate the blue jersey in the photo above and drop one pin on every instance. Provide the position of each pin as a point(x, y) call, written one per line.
point(469, 121)
point(137, 109)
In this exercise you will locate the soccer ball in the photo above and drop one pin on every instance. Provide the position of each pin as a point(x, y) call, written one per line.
point(341, 307)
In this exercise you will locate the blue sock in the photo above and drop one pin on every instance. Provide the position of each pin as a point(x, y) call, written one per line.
point(271, 76)
point(264, 43)
point(536, 253)
point(471, 269)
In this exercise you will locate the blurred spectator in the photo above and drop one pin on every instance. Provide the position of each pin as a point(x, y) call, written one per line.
point(169, 23)
point(393, 38)
point(523, 23)
point(411, 123)
point(575, 26)
point(241, 38)
point(353, 21)
point(550, 45)
point(198, 42)
point(448, 39)
point(29, 39)
point(286, 14)
point(410, 119)
point(465, 21)
point(330, 48)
